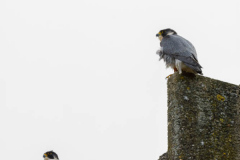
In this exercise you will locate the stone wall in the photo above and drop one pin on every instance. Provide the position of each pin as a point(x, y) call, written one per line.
point(203, 119)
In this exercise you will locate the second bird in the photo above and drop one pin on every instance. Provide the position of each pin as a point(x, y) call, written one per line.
point(177, 52)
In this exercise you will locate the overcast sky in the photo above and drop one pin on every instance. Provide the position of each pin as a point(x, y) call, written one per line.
point(82, 78)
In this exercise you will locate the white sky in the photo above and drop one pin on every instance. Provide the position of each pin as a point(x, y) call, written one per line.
point(81, 77)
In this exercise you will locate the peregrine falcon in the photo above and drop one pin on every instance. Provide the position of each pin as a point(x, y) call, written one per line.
point(177, 52)
point(50, 155)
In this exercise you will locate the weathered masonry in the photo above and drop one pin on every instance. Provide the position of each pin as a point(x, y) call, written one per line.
point(203, 119)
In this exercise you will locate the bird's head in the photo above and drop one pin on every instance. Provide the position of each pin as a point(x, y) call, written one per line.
point(165, 32)
point(50, 155)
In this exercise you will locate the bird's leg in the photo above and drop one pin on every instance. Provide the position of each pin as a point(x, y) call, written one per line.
point(175, 70)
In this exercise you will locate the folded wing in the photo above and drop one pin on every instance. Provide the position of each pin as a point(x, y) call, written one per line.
point(179, 48)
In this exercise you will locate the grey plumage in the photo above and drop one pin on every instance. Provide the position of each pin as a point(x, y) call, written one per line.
point(176, 48)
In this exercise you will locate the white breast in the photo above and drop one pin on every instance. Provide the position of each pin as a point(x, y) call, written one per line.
point(178, 65)
point(182, 67)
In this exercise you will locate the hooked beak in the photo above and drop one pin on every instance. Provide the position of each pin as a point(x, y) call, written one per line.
point(157, 35)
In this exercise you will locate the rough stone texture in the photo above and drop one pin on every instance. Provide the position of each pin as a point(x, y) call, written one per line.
point(203, 119)
point(163, 157)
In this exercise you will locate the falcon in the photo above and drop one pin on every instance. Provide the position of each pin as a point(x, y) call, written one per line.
point(177, 52)
point(50, 155)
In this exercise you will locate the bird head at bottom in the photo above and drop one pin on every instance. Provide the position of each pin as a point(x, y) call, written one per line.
point(50, 155)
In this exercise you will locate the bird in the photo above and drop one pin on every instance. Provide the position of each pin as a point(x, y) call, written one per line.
point(50, 155)
point(177, 52)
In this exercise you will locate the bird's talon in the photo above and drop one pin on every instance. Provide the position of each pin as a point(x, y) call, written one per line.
point(169, 76)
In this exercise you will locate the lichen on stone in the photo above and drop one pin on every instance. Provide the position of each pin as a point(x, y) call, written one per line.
point(202, 124)
point(220, 98)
